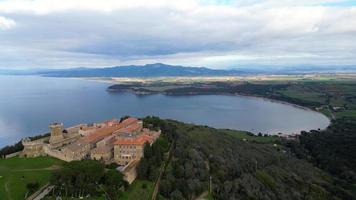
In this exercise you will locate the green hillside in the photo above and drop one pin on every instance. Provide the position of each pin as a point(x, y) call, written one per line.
point(16, 173)
point(239, 169)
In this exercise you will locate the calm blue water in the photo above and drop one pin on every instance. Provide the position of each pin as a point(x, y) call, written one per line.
point(28, 104)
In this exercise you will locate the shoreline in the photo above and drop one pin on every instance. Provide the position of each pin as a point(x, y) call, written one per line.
point(217, 93)
point(225, 94)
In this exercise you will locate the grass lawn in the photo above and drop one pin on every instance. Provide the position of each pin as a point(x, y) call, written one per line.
point(346, 113)
point(16, 172)
point(304, 95)
point(138, 192)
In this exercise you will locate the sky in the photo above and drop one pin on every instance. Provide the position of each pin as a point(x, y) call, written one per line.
point(212, 33)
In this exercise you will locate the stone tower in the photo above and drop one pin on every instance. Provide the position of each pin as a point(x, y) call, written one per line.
point(56, 132)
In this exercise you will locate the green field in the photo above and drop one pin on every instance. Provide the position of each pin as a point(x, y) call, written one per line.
point(304, 94)
point(16, 172)
point(347, 113)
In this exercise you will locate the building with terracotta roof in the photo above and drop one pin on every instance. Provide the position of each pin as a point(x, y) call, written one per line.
point(131, 148)
point(122, 142)
point(84, 131)
point(100, 134)
point(133, 129)
point(104, 149)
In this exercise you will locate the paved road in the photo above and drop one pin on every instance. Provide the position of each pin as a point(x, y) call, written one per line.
point(41, 193)
point(44, 193)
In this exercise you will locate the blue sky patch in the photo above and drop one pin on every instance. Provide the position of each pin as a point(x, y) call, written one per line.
point(346, 3)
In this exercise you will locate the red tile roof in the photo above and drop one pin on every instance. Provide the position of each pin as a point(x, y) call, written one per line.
point(129, 121)
point(105, 131)
point(131, 128)
point(111, 122)
point(100, 133)
point(139, 140)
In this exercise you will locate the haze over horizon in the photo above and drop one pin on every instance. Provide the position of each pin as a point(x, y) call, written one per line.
point(210, 33)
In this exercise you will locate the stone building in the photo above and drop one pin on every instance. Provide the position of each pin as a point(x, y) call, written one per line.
point(56, 133)
point(33, 148)
point(103, 153)
point(77, 150)
point(131, 148)
point(60, 137)
point(104, 149)
point(109, 141)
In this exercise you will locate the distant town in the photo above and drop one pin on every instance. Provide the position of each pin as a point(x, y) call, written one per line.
point(113, 141)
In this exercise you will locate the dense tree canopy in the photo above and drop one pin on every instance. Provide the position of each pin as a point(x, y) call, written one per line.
point(238, 169)
point(332, 149)
point(88, 177)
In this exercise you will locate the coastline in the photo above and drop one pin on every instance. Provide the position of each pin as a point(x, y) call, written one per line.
point(114, 80)
point(216, 93)
point(220, 93)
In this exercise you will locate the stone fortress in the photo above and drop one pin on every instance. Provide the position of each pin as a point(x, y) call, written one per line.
point(111, 141)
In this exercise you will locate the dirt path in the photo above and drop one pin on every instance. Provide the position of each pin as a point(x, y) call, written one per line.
point(53, 167)
point(162, 170)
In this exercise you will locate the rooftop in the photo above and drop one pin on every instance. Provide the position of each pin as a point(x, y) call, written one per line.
point(139, 140)
point(113, 126)
point(77, 145)
point(131, 128)
point(100, 133)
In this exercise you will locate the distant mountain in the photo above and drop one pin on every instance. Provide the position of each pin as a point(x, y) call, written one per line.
point(149, 70)
point(160, 70)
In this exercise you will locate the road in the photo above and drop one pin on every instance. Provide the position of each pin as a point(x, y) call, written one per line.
point(46, 191)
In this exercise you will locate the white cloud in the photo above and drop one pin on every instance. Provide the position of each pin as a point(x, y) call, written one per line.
point(49, 6)
point(192, 32)
point(6, 23)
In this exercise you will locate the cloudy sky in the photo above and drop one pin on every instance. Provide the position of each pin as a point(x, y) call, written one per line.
point(212, 33)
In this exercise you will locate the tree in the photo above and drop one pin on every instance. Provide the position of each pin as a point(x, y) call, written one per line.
point(114, 183)
point(142, 169)
point(165, 188)
point(147, 151)
point(32, 187)
point(79, 178)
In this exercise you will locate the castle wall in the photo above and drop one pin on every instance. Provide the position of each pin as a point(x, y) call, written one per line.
point(77, 151)
point(63, 142)
point(56, 154)
point(33, 148)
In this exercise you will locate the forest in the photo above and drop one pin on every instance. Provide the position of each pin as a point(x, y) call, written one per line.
point(88, 178)
point(208, 161)
point(332, 149)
